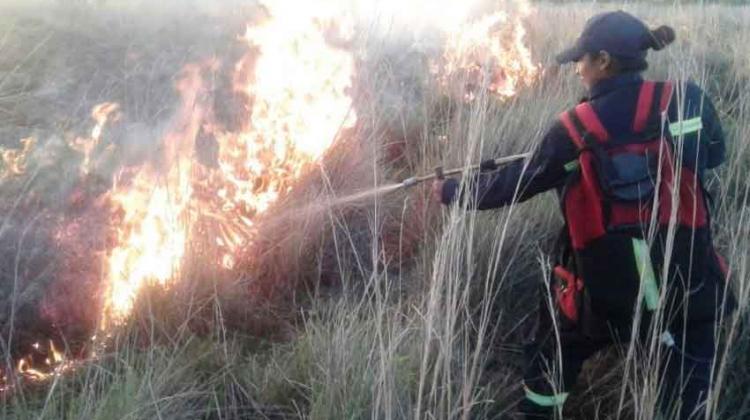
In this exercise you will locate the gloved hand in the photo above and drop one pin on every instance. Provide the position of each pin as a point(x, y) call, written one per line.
point(488, 165)
point(444, 190)
point(437, 190)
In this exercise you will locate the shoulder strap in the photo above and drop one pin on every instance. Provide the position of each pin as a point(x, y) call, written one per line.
point(644, 105)
point(584, 126)
point(575, 132)
point(601, 162)
point(653, 99)
point(585, 112)
point(666, 95)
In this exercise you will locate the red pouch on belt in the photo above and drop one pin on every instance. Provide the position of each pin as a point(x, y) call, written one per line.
point(567, 292)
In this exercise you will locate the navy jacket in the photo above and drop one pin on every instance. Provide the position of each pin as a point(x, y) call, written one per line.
point(614, 101)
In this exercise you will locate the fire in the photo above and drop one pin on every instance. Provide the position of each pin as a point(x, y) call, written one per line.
point(14, 160)
point(300, 91)
point(480, 49)
point(151, 240)
point(296, 115)
point(44, 362)
point(101, 114)
point(54, 363)
point(488, 53)
point(153, 207)
point(315, 81)
point(299, 84)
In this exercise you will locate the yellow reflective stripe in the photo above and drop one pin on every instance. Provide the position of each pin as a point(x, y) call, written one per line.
point(646, 271)
point(553, 400)
point(680, 128)
point(571, 166)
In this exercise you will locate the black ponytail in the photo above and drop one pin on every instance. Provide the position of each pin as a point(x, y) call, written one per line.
point(627, 43)
point(659, 38)
point(656, 40)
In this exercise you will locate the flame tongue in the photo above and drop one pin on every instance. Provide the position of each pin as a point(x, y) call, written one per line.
point(152, 218)
point(314, 80)
point(54, 363)
point(101, 114)
point(14, 160)
point(151, 239)
point(299, 90)
point(488, 53)
point(300, 102)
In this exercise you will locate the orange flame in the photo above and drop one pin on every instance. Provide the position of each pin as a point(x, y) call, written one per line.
point(14, 160)
point(54, 364)
point(489, 53)
point(296, 115)
point(300, 103)
point(101, 114)
point(154, 222)
point(151, 243)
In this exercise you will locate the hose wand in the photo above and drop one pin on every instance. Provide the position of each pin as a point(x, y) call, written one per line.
point(440, 173)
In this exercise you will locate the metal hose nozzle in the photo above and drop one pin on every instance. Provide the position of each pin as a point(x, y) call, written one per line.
point(409, 182)
point(441, 173)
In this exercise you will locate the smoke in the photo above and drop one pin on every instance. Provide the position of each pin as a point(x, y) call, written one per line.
point(147, 10)
point(60, 219)
point(419, 56)
point(58, 60)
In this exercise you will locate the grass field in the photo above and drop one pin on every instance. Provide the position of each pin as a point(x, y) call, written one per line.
point(392, 307)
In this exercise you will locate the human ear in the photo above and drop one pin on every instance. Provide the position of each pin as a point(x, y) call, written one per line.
point(604, 61)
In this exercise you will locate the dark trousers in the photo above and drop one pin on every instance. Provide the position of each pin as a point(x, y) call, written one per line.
point(686, 361)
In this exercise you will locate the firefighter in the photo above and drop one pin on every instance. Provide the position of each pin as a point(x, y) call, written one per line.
point(623, 181)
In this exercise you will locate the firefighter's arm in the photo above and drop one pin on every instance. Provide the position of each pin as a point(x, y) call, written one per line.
point(698, 128)
point(517, 181)
point(714, 134)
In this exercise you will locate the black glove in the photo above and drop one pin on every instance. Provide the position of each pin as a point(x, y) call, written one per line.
point(488, 165)
point(449, 194)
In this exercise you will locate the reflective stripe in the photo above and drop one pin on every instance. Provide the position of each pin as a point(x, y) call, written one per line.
point(681, 128)
point(646, 271)
point(571, 166)
point(553, 400)
point(667, 339)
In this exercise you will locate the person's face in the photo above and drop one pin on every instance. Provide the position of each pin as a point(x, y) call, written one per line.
point(592, 68)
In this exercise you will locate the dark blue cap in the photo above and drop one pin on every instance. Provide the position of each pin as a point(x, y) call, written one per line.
point(620, 34)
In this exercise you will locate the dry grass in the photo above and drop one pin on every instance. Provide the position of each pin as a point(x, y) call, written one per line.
point(367, 329)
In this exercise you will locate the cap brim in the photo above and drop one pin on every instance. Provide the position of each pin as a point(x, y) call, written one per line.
point(570, 55)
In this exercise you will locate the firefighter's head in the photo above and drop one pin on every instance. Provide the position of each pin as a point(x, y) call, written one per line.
point(613, 43)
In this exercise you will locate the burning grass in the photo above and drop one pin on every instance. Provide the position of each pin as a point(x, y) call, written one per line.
point(178, 238)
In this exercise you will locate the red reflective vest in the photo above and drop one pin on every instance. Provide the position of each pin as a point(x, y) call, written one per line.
point(589, 211)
